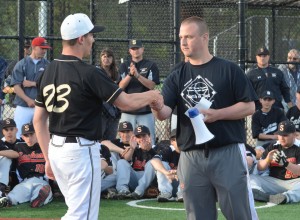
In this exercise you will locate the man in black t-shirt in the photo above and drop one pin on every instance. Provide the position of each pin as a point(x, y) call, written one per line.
point(283, 159)
point(71, 93)
point(139, 75)
point(218, 166)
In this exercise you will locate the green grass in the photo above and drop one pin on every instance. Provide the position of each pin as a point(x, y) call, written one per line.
point(118, 209)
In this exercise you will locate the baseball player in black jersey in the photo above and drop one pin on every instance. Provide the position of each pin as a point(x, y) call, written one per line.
point(265, 77)
point(293, 114)
point(7, 155)
point(70, 93)
point(283, 159)
point(33, 187)
point(218, 166)
point(139, 75)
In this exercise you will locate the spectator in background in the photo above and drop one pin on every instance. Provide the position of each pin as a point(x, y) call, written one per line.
point(291, 73)
point(139, 75)
point(7, 154)
point(264, 77)
point(111, 114)
point(166, 171)
point(31, 167)
point(27, 47)
point(3, 66)
point(136, 176)
point(119, 147)
point(283, 159)
point(293, 114)
point(265, 120)
point(24, 77)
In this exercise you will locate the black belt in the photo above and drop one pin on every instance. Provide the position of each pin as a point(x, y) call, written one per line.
point(70, 139)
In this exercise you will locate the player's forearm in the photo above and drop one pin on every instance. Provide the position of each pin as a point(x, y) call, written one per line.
point(163, 113)
point(263, 136)
point(263, 164)
point(41, 129)
point(124, 82)
point(9, 154)
point(20, 92)
point(294, 168)
point(112, 147)
point(134, 101)
point(146, 82)
point(237, 111)
point(158, 165)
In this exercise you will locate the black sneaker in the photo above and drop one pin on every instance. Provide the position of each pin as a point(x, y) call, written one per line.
point(123, 194)
point(260, 195)
point(135, 196)
point(278, 199)
point(165, 197)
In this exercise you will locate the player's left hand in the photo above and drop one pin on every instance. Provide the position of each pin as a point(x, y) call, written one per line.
point(280, 158)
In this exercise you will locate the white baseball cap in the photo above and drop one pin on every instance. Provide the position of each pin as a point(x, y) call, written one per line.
point(76, 25)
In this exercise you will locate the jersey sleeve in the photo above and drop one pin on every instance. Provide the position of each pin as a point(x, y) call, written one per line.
point(102, 86)
point(17, 76)
point(170, 89)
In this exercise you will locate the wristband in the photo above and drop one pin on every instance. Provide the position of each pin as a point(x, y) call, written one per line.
point(131, 75)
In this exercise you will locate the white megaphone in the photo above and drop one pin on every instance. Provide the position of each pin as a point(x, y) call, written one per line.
point(202, 134)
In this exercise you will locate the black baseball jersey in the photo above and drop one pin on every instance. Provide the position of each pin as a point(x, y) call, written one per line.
point(4, 145)
point(147, 69)
point(219, 81)
point(163, 151)
point(31, 161)
point(266, 122)
point(271, 79)
point(293, 114)
point(141, 157)
point(72, 91)
point(119, 143)
point(293, 156)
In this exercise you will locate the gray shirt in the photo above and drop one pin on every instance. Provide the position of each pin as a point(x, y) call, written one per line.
point(27, 69)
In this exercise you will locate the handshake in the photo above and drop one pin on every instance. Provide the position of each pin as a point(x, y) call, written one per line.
point(280, 158)
point(157, 102)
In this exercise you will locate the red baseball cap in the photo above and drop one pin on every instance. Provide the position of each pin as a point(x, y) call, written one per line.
point(40, 42)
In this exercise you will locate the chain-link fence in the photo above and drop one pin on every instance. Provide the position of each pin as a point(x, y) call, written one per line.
point(237, 29)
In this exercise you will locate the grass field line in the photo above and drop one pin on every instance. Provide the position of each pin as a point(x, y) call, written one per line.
point(134, 203)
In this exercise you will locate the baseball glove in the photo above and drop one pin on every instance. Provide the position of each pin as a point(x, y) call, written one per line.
point(151, 192)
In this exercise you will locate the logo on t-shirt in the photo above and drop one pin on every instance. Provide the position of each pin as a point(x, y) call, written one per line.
point(197, 88)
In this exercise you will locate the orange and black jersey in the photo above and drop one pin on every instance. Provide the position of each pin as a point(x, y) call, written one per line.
point(31, 161)
point(293, 156)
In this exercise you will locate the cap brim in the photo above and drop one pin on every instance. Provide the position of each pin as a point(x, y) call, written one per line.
point(283, 133)
point(45, 47)
point(97, 29)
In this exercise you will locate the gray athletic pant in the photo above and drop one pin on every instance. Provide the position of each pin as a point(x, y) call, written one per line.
point(221, 176)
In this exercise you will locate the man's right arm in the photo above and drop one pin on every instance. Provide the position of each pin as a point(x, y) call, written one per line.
point(20, 92)
point(134, 101)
